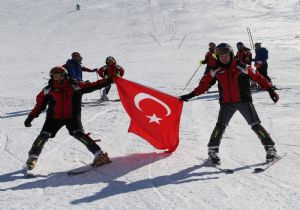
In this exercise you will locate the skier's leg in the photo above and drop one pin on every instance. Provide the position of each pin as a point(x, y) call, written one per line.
point(105, 91)
point(49, 130)
point(249, 113)
point(225, 114)
point(76, 130)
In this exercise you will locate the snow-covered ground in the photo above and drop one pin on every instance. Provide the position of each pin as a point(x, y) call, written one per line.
point(159, 43)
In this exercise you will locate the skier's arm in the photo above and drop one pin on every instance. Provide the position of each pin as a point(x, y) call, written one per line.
point(203, 86)
point(120, 72)
point(88, 69)
point(263, 82)
point(205, 61)
point(88, 87)
point(101, 72)
point(41, 103)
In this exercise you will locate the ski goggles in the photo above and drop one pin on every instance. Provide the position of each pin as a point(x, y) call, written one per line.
point(223, 50)
point(58, 70)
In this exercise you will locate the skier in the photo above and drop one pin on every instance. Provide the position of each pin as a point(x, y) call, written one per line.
point(209, 59)
point(260, 60)
point(75, 67)
point(243, 54)
point(111, 68)
point(63, 98)
point(233, 83)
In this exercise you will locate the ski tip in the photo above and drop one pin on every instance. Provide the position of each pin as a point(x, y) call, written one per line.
point(258, 170)
point(228, 171)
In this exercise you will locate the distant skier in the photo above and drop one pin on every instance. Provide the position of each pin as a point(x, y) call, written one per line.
point(111, 68)
point(243, 54)
point(233, 82)
point(63, 98)
point(260, 60)
point(77, 7)
point(209, 59)
point(75, 67)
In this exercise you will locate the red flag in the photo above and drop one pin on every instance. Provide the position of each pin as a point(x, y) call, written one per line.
point(155, 116)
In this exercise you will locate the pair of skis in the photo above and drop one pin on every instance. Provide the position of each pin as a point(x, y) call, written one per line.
point(255, 170)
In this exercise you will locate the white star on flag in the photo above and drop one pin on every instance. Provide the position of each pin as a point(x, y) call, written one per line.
point(153, 118)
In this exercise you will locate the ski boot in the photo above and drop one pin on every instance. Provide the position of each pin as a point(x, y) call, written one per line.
point(100, 159)
point(31, 162)
point(213, 156)
point(103, 98)
point(271, 153)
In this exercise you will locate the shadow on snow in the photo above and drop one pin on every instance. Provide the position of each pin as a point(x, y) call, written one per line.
point(111, 172)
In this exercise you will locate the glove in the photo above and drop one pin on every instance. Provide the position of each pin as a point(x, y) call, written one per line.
point(28, 121)
point(187, 96)
point(273, 95)
point(200, 62)
point(94, 70)
point(258, 64)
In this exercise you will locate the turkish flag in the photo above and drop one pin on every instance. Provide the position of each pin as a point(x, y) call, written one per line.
point(155, 116)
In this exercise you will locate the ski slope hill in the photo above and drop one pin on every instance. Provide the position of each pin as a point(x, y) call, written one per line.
point(158, 42)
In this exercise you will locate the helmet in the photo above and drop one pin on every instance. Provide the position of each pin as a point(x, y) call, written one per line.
point(58, 70)
point(257, 45)
point(212, 45)
point(240, 45)
point(110, 60)
point(223, 49)
point(75, 54)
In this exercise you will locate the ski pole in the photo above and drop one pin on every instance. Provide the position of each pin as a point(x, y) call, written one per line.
point(192, 77)
point(250, 38)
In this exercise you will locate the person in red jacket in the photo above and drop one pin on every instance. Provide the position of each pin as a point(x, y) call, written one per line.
point(111, 68)
point(243, 54)
point(209, 59)
point(62, 98)
point(235, 95)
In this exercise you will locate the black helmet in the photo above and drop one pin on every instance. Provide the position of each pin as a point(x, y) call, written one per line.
point(223, 49)
point(110, 60)
point(58, 70)
point(240, 45)
point(75, 54)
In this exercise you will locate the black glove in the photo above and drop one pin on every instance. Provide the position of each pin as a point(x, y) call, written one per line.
point(273, 95)
point(94, 70)
point(186, 97)
point(28, 121)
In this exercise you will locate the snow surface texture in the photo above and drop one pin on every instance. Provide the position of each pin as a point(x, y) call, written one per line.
point(158, 42)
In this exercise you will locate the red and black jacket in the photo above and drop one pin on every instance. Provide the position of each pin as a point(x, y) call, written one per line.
point(64, 100)
point(108, 71)
point(244, 55)
point(209, 60)
point(233, 83)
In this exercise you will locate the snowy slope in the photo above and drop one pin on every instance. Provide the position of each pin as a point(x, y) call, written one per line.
point(158, 42)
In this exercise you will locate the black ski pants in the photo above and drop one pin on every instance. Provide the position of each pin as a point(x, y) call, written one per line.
point(248, 112)
point(52, 126)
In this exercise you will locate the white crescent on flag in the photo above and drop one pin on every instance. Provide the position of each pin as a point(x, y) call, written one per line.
point(141, 96)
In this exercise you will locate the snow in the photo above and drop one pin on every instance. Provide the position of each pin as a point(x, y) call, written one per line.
point(158, 42)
